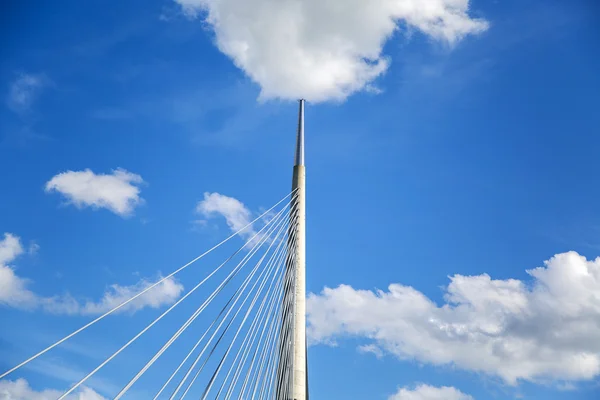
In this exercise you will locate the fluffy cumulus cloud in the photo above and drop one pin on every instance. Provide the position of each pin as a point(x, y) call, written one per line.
point(20, 390)
point(540, 330)
point(323, 49)
point(118, 192)
point(23, 92)
point(14, 290)
point(426, 392)
point(236, 214)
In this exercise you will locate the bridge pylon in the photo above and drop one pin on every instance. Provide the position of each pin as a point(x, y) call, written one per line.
point(292, 378)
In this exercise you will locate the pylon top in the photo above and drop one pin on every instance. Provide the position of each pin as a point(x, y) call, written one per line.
point(299, 160)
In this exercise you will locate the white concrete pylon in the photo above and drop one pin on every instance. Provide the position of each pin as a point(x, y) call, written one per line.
point(294, 374)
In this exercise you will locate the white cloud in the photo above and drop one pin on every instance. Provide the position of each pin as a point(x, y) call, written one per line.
point(20, 390)
point(323, 49)
point(14, 291)
point(547, 329)
point(372, 349)
point(236, 214)
point(426, 392)
point(23, 92)
point(165, 293)
point(118, 192)
point(33, 248)
point(10, 248)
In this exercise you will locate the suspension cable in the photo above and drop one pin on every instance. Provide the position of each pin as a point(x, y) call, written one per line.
point(185, 325)
point(243, 348)
point(157, 319)
point(190, 369)
point(142, 292)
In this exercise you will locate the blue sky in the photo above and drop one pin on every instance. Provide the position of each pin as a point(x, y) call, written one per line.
point(434, 157)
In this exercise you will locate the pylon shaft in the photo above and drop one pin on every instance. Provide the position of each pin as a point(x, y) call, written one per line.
point(299, 326)
point(292, 378)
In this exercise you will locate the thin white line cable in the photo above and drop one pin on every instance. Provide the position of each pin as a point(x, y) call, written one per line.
point(216, 373)
point(235, 296)
point(140, 293)
point(292, 321)
point(253, 359)
point(261, 375)
point(284, 348)
point(265, 352)
point(290, 354)
point(270, 388)
point(272, 348)
point(244, 346)
point(171, 340)
point(271, 360)
point(265, 270)
point(164, 386)
point(283, 379)
point(283, 253)
point(251, 333)
point(190, 369)
point(151, 324)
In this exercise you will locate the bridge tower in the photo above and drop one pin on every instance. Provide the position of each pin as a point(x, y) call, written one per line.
point(292, 378)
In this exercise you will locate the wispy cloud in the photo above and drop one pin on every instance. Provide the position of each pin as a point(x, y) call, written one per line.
point(118, 192)
point(323, 50)
point(426, 392)
point(24, 91)
point(20, 390)
point(165, 293)
point(14, 290)
point(33, 248)
point(545, 330)
point(371, 349)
